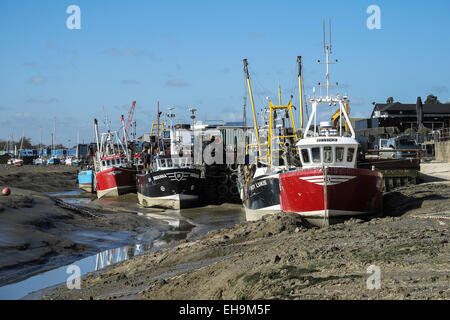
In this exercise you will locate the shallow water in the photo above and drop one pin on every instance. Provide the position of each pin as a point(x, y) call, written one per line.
point(169, 225)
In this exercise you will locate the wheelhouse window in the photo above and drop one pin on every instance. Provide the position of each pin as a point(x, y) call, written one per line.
point(108, 162)
point(103, 163)
point(328, 154)
point(315, 152)
point(305, 156)
point(350, 153)
point(339, 154)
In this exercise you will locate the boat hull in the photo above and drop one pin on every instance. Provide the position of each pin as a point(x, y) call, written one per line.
point(172, 188)
point(115, 181)
point(261, 197)
point(329, 195)
point(86, 180)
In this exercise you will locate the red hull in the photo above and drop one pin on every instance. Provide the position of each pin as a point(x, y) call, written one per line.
point(115, 181)
point(330, 195)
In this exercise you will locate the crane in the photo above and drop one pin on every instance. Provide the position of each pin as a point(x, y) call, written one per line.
point(130, 118)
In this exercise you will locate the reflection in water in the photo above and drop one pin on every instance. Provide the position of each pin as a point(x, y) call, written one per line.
point(115, 255)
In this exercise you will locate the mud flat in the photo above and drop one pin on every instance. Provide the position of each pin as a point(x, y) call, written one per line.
point(277, 258)
point(36, 234)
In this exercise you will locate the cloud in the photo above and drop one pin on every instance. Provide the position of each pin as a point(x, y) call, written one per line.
point(231, 115)
point(439, 89)
point(42, 100)
point(130, 81)
point(177, 83)
point(51, 46)
point(114, 52)
point(24, 115)
point(124, 52)
point(257, 36)
point(31, 64)
point(37, 80)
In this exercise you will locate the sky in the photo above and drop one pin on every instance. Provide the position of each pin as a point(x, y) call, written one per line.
point(188, 54)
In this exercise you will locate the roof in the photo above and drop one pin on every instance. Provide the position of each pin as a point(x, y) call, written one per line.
point(397, 106)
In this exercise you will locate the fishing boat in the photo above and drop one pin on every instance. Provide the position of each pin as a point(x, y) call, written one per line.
point(114, 170)
point(86, 180)
point(172, 182)
point(329, 188)
point(259, 182)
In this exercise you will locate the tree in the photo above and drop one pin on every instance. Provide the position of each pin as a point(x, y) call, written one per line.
point(432, 99)
point(390, 100)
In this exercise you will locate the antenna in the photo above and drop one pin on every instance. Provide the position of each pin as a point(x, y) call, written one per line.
point(329, 26)
point(327, 52)
point(324, 36)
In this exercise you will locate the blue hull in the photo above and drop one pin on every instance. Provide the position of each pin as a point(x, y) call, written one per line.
point(86, 180)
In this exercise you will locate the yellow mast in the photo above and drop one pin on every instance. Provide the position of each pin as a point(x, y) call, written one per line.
point(253, 106)
point(272, 108)
point(279, 92)
point(299, 61)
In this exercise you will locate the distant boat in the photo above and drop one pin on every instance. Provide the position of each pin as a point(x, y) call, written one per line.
point(39, 161)
point(53, 161)
point(86, 180)
point(17, 162)
point(72, 162)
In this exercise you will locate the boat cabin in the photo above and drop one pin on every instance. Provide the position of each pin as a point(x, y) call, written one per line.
point(168, 162)
point(114, 161)
point(328, 151)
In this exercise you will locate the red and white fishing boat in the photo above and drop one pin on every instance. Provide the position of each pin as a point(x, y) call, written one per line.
point(329, 188)
point(114, 170)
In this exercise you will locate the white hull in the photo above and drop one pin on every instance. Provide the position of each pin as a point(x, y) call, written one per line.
point(254, 215)
point(321, 218)
point(114, 192)
point(175, 201)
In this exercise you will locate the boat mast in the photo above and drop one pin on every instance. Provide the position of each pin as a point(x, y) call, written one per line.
point(54, 135)
point(299, 62)
point(253, 105)
point(40, 145)
point(124, 134)
point(96, 135)
point(157, 129)
point(342, 101)
point(78, 142)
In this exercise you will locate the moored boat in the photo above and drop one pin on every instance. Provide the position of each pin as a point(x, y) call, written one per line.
point(86, 180)
point(259, 181)
point(329, 188)
point(114, 171)
point(172, 182)
point(17, 162)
